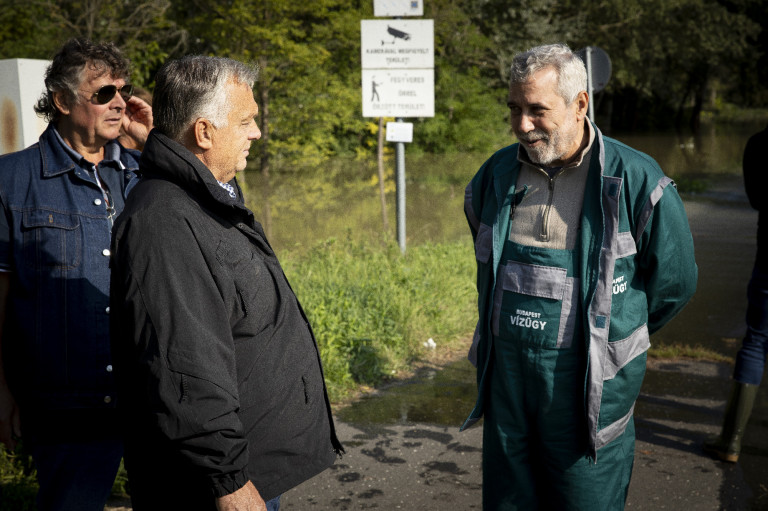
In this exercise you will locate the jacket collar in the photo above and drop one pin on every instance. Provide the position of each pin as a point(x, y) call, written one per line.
point(54, 156)
point(164, 158)
point(58, 158)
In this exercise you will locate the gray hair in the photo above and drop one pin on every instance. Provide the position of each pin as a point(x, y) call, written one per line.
point(67, 70)
point(571, 72)
point(194, 87)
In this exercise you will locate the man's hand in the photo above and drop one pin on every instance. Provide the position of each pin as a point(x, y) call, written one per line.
point(137, 121)
point(246, 498)
point(10, 425)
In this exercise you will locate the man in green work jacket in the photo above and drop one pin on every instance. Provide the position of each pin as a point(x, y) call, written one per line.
point(583, 250)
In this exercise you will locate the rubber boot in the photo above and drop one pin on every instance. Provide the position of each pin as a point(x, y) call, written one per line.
point(727, 445)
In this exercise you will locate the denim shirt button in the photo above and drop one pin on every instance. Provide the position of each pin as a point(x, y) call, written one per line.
point(97, 202)
point(106, 252)
point(109, 370)
point(106, 310)
point(107, 399)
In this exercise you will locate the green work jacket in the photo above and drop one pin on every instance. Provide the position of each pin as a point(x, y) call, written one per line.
point(636, 271)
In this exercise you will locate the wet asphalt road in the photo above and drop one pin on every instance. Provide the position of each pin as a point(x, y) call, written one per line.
point(434, 467)
point(420, 466)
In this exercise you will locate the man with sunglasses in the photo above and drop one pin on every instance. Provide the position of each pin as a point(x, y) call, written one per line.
point(59, 198)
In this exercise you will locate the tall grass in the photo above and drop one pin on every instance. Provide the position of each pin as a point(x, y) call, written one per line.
point(372, 308)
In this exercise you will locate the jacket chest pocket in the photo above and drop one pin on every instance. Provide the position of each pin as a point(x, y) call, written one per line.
point(255, 301)
point(51, 239)
point(535, 305)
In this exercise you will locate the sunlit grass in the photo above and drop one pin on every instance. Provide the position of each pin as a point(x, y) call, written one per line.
point(695, 352)
point(372, 308)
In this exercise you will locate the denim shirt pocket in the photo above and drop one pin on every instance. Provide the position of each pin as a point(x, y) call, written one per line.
point(51, 239)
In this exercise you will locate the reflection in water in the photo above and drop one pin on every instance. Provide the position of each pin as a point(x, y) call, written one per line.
point(443, 397)
point(302, 208)
point(714, 150)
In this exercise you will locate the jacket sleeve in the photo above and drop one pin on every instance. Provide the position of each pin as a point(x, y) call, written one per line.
point(666, 257)
point(177, 349)
point(482, 240)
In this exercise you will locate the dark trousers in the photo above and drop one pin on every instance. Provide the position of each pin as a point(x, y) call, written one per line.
point(76, 454)
point(750, 360)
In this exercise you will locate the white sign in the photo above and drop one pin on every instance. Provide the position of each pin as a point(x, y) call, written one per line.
point(398, 8)
point(22, 82)
point(397, 44)
point(398, 92)
point(399, 132)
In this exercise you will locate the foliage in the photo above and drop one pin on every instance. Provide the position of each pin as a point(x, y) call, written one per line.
point(18, 481)
point(675, 62)
point(37, 28)
point(372, 308)
point(697, 352)
point(309, 58)
point(668, 56)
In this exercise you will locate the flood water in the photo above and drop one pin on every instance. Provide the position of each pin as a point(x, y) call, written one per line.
point(344, 202)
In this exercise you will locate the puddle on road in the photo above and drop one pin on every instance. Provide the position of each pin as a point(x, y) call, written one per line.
point(443, 397)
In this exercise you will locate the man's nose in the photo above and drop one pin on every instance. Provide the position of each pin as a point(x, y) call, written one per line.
point(255, 133)
point(524, 124)
point(118, 102)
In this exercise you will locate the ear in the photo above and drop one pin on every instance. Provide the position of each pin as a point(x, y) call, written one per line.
point(59, 102)
point(203, 131)
point(582, 102)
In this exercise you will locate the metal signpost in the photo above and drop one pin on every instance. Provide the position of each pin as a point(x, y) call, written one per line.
point(598, 72)
point(398, 80)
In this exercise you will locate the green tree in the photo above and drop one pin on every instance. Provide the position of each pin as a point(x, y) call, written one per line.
point(308, 54)
point(668, 56)
point(37, 28)
point(470, 99)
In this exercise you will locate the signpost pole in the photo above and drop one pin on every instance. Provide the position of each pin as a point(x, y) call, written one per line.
point(589, 84)
point(400, 157)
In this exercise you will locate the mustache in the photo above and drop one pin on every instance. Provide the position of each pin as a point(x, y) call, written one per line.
point(533, 136)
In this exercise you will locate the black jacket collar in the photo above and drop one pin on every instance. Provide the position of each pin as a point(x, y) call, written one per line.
point(164, 158)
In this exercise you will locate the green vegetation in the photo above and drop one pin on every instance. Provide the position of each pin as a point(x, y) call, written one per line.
point(675, 63)
point(372, 309)
point(666, 351)
point(18, 483)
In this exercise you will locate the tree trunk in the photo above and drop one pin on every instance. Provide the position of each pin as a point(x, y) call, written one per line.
point(698, 98)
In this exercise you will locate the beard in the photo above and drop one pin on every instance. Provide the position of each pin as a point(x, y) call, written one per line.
point(555, 144)
point(546, 153)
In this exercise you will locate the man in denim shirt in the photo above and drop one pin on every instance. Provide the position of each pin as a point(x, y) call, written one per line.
point(59, 198)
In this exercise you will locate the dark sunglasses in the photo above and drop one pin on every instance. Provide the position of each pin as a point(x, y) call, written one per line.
point(106, 93)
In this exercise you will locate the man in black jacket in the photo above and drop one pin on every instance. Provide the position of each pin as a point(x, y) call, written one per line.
point(220, 382)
